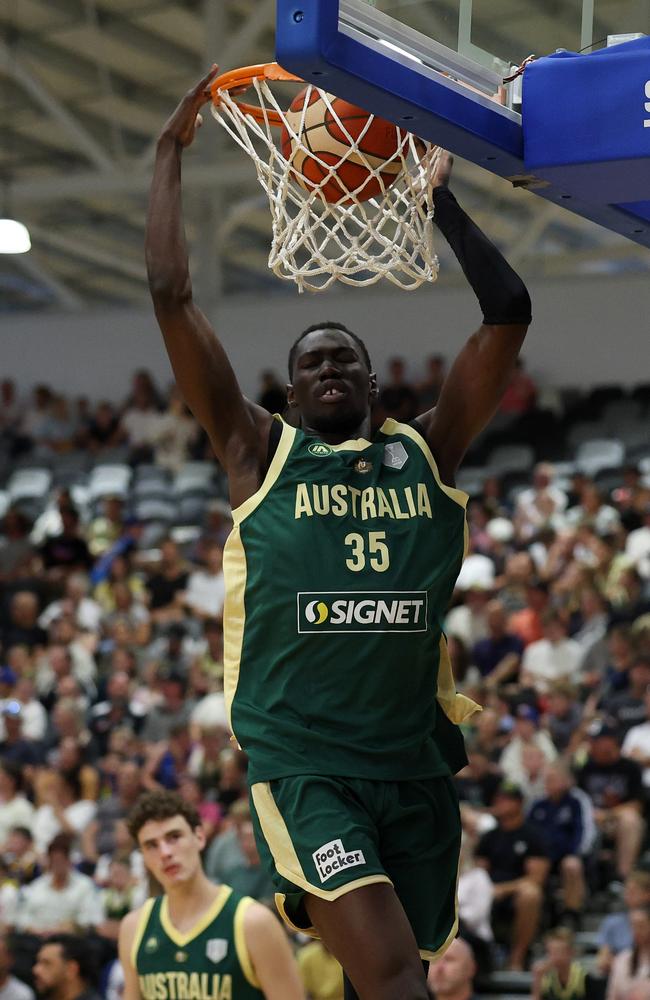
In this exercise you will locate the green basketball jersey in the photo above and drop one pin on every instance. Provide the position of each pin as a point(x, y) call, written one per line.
point(210, 962)
point(338, 574)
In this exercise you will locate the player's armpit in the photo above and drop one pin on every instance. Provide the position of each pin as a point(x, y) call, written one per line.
point(126, 938)
point(271, 955)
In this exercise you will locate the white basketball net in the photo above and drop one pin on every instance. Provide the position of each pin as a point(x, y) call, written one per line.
point(316, 242)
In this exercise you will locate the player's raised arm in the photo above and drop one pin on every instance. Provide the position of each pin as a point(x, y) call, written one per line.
point(476, 382)
point(238, 431)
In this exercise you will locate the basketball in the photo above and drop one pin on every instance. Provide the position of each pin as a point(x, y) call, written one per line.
point(328, 132)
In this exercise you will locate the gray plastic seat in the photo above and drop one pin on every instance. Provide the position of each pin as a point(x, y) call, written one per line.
point(602, 453)
point(511, 458)
point(29, 484)
point(155, 509)
point(109, 480)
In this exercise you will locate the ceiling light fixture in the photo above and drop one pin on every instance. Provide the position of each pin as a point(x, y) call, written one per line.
point(14, 237)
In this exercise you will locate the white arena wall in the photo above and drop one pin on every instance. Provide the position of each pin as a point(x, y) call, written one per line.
point(586, 331)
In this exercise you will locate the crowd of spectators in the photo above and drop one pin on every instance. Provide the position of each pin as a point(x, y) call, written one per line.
point(111, 677)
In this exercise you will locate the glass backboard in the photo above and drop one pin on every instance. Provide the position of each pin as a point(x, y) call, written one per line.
point(435, 66)
point(499, 33)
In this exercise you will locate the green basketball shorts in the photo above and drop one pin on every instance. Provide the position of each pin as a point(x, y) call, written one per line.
point(329, 835)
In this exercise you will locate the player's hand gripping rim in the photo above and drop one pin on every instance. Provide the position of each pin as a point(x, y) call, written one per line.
point(181, 126)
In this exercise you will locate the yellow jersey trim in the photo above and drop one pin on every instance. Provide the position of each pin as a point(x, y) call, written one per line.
point(181, 938)
point(330, 896)
point(246, 508)
point(457, 707)
point(235, 572)
point(241, 947)
point(140, 928)
point(391, 426)
point(275, 831)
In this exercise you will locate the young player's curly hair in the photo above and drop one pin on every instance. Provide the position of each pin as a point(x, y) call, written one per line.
point(158, 806)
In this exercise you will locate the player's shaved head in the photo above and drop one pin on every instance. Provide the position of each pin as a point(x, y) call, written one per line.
point(329, 325)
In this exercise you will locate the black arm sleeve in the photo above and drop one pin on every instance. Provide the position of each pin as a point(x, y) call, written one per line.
point(501, 293)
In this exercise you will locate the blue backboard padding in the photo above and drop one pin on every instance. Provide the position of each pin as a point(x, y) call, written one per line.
point(639, 209)
point(313, 47)
point(581, 109)
point(310, 44)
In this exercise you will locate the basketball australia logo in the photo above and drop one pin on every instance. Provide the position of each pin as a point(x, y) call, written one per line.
point(371, 611)
point(319, 449)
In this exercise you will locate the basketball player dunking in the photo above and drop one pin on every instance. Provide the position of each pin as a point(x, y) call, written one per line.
point(339, 568)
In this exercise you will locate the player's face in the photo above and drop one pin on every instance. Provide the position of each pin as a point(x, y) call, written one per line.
point(332, 387)
point(171, 850)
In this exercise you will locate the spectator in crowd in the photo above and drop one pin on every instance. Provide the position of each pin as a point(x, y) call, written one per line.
point(166, 585)
point(428, 390)
point(174, 710)
point(526, 733)
point(398, 398)
point(14, 747)
point(32, 711)
point(11, 988)
point(590, 621)
point(66, 552)
point(553, 658)
point(591, 512)
point(141, 419)
point(467, 621)
point(22, 628)
point(321, 974)
point(103, 429)
point(206, 589)
point(614, 785)
point(273, 395)
point(615, 932)
point(475, 898)
point(632, 966)
point(60, 901)
point(451, 977)
point(528, 623)
point(564, 819)
point(232, 857)
point(175, 434)
point(61, 808)
point(100, 834)
point(521, 393)
point(16, 549)
point(19, 854)
point(498, 655)
point(558, 976)
point(636, 745)
point(628, 708)
point(563, 714)
point(115, 712)
point(15, 808)
point(516, 860)
point(539, 505)
point(57, 432)
point(76, 602)
point(65, 969)
point(35, 416)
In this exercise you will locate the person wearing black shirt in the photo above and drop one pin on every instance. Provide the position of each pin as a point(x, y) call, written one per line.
point(167, 583)
point(66, 552)
point(628, 707)
point(516, 858)
point(615, 786)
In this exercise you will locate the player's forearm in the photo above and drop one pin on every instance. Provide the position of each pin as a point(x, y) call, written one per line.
point(502, 295)
point(165, 244)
